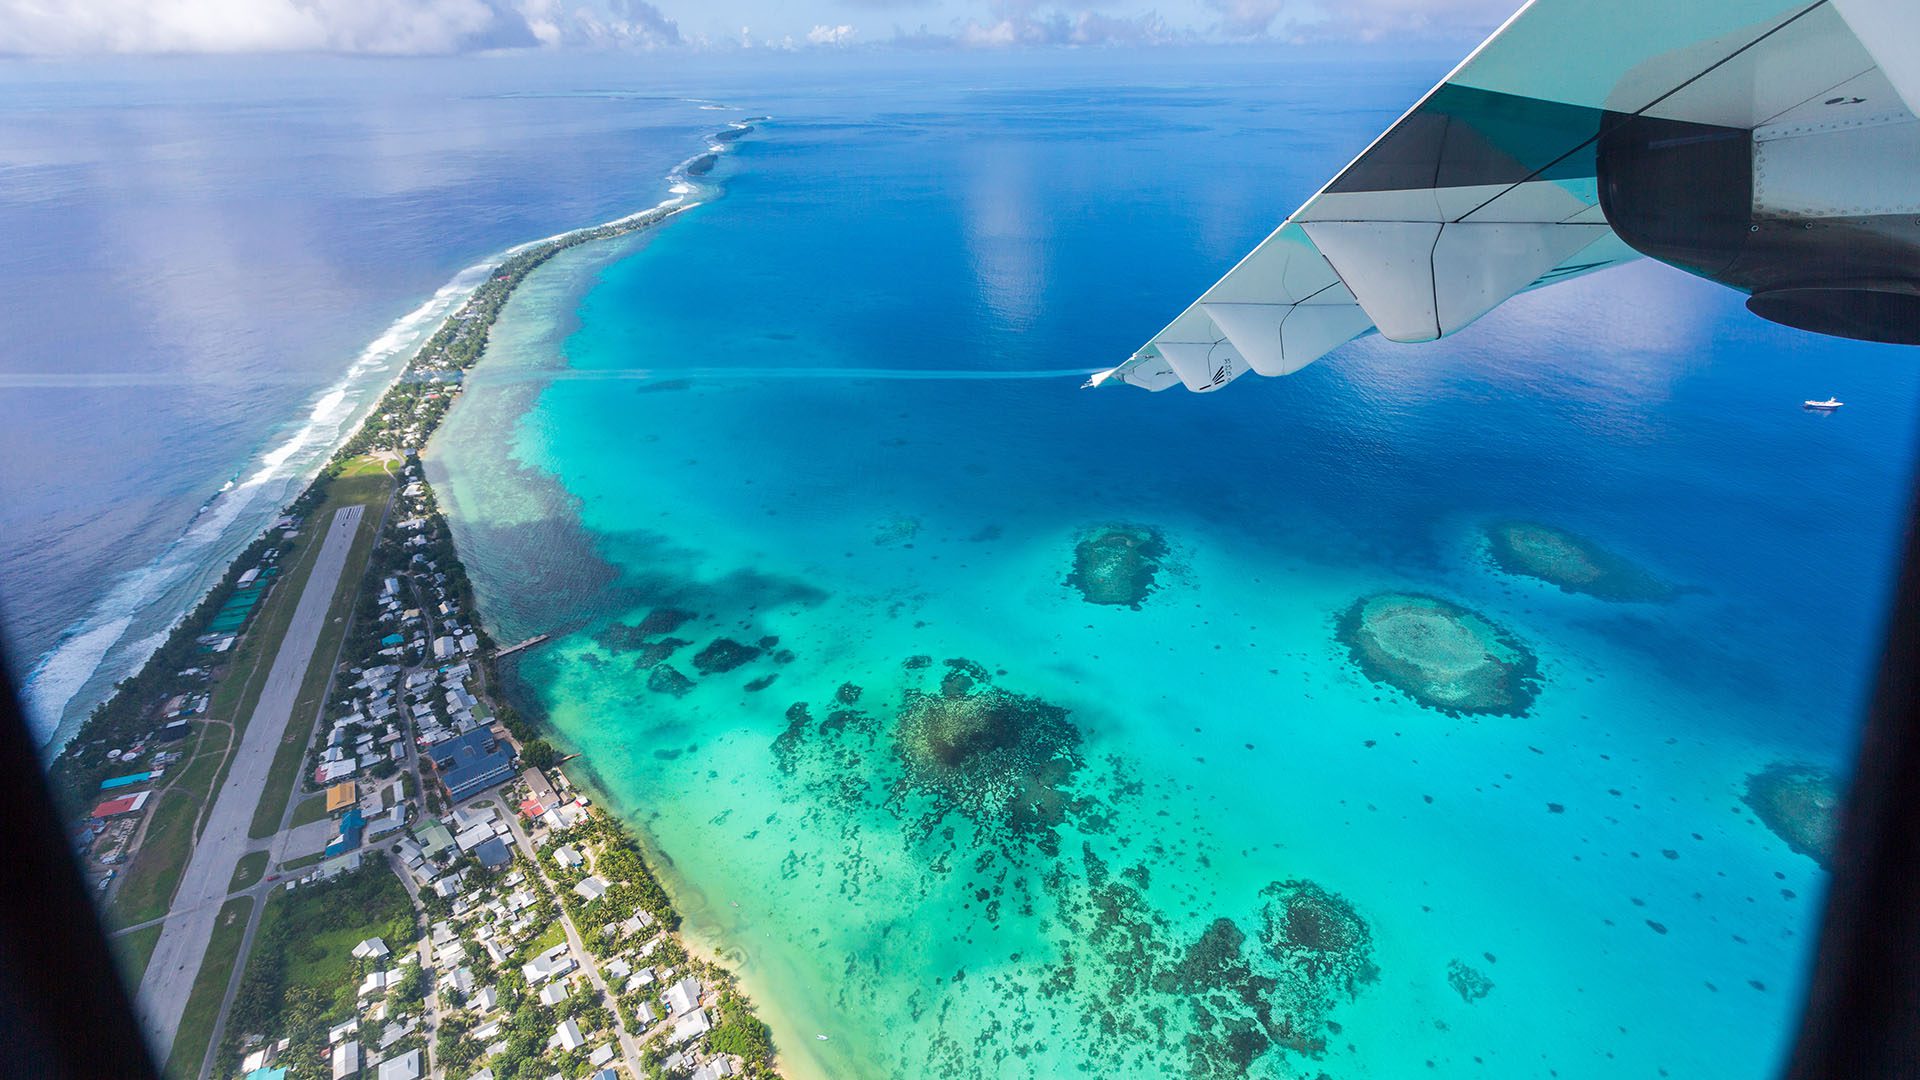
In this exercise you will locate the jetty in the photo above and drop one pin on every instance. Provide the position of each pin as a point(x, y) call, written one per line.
point(527, 644)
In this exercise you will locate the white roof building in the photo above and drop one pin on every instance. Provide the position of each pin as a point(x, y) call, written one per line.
point(683, 996)
point(404, 1067)
point(550, 964)
point(592, 888)
point(695, 1023)
point(346, 1060)
point(567, 1037)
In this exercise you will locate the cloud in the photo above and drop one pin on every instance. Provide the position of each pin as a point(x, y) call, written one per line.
point(397, 27)
point(830, 35)
point(1034, 24)
point(1303, 21)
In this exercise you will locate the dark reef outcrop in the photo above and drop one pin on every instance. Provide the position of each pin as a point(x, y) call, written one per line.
point(723, 654)
point(1440, 654)
point(1117, 564)
point(1800, 804)
point(994, 756)
point(1571, 562)
point(1469, 982)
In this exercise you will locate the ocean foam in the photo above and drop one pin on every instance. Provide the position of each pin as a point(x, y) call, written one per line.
point(94, 651)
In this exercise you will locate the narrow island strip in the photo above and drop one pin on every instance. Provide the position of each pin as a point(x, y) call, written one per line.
point(423, 891)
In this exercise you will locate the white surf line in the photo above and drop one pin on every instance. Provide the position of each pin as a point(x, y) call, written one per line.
point(60, 674)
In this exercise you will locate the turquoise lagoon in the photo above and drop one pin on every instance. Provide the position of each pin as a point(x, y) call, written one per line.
point(804, 416)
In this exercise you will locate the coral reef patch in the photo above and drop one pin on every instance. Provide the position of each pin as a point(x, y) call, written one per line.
point(666, 679)
point(1571, 562)
point(1442, 655)
point(1800, 804)
point(1469, 982)
point(978, 785)
point(652, 652)
point(1117, 564)
point(999, 758)
point(723, 654)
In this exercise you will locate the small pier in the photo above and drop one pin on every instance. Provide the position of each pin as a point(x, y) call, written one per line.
point(527, 644)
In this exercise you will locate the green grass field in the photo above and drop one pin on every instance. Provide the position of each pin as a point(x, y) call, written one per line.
point(309, 810)
point(366, 484)
point(247, 873)
point(147, 885)
point(209, 987)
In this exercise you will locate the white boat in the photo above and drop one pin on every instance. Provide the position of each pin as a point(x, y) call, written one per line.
point(1828, 405)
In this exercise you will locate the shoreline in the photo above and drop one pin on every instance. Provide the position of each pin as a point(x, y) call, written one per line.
point(57, 751)
point(584, 777)
point(123, 609)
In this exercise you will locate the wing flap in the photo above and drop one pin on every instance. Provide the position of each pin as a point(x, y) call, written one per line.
point(1488, 186)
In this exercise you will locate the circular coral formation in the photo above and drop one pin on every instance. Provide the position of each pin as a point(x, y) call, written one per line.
point(1440, 654)
point(1319, 939)
point(1117, 564)
point(1571, 562)
point(1801, 804)
point(997, 757)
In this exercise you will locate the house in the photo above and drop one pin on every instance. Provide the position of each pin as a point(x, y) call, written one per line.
point(435, 839)
point(567, 856)
point(682, 996)
point(471, 763)
point(601, 1055)
point(554, 993)
point(551, 964)
point(340, 796)
point(472, 836)
point(388, 822)
point(486, 1000)
point(645, 1015)
point(538, 788)
point(346, 1060)
point(713, 1070)
point(694, 1024)
point(341, 1031)
point(404, 1067)
point(371, 949)
point(492, 853)
point(567, 1037)
point(592, 888)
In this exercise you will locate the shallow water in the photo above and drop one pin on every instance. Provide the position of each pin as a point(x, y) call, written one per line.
point(1030, 892)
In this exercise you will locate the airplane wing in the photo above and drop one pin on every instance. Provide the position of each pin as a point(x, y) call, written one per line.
point(1715, 135)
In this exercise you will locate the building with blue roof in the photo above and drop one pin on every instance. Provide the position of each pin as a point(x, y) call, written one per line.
point(352, 825)
point(471, 763)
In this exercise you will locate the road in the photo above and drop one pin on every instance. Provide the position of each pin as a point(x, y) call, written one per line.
point(203, 888)
point(629, 1047)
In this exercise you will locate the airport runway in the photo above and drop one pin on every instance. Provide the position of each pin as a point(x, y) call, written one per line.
point(190, 922)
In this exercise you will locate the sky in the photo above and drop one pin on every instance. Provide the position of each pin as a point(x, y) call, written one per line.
point(435, 27)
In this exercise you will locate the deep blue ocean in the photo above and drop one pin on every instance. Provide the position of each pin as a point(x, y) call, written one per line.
point(832, 412)
point(212, 266)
